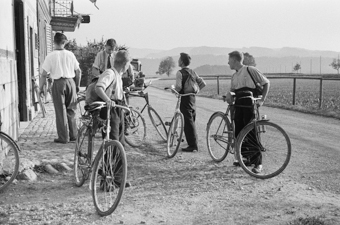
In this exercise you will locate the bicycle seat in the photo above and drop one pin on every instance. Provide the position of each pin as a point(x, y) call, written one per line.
point(94, 106)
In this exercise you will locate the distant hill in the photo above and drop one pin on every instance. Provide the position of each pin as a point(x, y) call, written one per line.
point(210, 59)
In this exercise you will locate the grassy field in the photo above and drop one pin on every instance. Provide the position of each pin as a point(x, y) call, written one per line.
point(281, 94)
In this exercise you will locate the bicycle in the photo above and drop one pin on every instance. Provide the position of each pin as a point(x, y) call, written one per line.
point(39, 97)
point(156, 120)
point(175, 132)
point(9, 160)
point(135, 132)
point(109, 168)
point(260, 138)
point(81, 96)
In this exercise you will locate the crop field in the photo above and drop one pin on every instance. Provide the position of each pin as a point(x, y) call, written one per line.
point(281, 94)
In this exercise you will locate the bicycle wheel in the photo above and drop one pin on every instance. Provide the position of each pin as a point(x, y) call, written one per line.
point(135, 131)
point(9, 160)
point(219, 136)
point(175, 134)
point(269, 146)
point(158, 123)
point(83, 155)
point(80, 113)
point(108, 177)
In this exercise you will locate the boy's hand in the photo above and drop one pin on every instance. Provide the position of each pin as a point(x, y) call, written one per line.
point(260, 102)
point(110, 102)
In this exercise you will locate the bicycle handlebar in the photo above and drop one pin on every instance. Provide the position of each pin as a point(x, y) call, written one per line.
point(103, 104)
point(176, 92)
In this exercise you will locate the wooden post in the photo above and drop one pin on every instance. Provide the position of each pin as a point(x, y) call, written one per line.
point(218, 85)
point(320, 96)
point(294, 90)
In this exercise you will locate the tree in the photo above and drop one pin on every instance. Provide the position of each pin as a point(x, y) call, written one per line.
point(248, 60)
point(335, 64)
point(166, 66)
point(297, 67)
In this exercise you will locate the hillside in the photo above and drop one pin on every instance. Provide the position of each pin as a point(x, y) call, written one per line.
point(268, 60)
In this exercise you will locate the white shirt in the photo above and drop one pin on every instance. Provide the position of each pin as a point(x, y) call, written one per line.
point(60, 64)
point(109, 76)
point(242, 78)
point(100, 62)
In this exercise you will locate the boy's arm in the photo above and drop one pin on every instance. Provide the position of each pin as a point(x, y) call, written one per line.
point(77, 79)
point(178, 85)
point(103, 83)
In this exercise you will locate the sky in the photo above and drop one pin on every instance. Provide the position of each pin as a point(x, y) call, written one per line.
point(167, 24)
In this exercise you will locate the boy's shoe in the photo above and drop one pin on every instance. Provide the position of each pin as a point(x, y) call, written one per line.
point(57, 140)
point(257, 169)
point(189, 149)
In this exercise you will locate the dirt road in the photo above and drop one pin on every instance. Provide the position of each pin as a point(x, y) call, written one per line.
point(190, 188)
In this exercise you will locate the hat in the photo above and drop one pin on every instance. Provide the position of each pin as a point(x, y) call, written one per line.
point(185, 58)
point(111, 42)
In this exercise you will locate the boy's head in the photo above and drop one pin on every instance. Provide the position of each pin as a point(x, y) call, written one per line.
point(122, 60)
point(59, 39)
point(184, 59)
point(235, 59)
point(110, 46)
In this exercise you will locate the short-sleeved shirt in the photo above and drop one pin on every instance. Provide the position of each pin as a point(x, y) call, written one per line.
point(106, 79)
point(60, 64)
point(101, 60)
point(242, 78)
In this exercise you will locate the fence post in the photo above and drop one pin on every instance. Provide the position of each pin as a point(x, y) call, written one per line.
point(320, 96)
point(294, 90)
point(218, 85)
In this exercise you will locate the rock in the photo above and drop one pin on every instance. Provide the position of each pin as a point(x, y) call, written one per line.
point(65, 167)
point(25, 164)
point(27, 175)
point(50, 169)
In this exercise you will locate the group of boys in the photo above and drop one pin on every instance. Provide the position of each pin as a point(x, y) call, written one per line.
point(110, 65)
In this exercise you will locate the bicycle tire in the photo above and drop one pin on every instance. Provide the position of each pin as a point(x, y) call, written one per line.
point(107, 186)
point(175, 134)
point(10, 160)
point(158, 123)
point(219, 136)
point(136, 128)
point(80, 113)
point(83, 155)
point(275, 148)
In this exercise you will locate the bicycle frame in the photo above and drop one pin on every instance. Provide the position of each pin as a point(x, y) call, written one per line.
point(230, 112)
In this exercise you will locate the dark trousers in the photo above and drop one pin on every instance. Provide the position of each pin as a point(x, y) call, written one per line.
point(188, 109)
point(65, 104)
point(116, 133)
point(242, 117)
point(116, 124)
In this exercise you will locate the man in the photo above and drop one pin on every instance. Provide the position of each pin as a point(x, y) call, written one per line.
point(104, 59)
point(63, 68)
point(242, 81)
point(188, 103)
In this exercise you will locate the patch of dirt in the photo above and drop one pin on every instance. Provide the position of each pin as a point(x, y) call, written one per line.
point(187, 189)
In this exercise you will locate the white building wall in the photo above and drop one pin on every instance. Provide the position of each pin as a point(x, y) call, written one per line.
point(8, 76)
